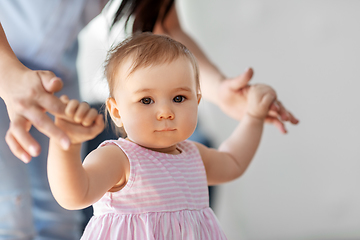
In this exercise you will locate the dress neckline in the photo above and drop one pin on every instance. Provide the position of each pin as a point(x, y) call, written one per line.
point(179, 147)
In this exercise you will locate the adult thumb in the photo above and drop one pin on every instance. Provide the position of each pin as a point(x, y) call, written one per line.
point(242, 80)
point(50, 81)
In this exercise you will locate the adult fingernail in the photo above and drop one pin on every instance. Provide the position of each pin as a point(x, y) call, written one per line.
point(32, 151)
point(25, 158)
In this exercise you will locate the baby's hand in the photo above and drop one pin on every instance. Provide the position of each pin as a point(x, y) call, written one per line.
point(81, 123)
point(260, 98)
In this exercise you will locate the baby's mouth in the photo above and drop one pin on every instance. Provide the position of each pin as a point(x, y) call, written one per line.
point(166, 130)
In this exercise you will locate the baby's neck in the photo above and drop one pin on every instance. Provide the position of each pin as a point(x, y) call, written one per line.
point(174, 150)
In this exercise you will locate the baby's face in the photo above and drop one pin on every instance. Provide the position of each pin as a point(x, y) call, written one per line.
point(158, 105)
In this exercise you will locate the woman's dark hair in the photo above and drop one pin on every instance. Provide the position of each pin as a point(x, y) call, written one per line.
point(145, 12)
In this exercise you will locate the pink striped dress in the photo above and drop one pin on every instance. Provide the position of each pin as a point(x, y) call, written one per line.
point(165, 198)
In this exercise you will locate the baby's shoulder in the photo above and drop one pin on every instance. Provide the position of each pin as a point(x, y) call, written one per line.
point(123, 144)
point(110, 152)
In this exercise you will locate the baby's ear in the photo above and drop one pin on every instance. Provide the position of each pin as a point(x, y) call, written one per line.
point(199, 97)
point(114, 111)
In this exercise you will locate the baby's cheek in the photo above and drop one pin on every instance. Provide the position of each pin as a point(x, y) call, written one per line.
point(189, 123)
point(137, 127)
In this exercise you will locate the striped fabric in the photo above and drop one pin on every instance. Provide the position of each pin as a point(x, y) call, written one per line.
point(166, 197)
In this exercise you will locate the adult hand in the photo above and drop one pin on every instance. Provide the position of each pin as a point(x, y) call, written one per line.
point(28, 95)
point(233, 101)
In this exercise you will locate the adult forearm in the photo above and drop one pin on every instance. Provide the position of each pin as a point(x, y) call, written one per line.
point(6, 53)
point(8, 61)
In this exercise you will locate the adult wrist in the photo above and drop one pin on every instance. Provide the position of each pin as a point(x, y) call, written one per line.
point(10, 70)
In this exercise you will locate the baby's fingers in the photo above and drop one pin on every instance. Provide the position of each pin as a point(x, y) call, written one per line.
point(268, 100)
point(81, 112)
point(64, 99)
point(98, 126)
point(71, 108)
point(90, 117)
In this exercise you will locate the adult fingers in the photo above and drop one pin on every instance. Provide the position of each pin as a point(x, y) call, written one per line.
point(293, 119)
point(272, 113)
point(44, 124)
point(50, 82)
point(277, 123)
point(19, 140)
point(44, 97)
point(286, 115)
point(242, 80)
point(51, 104)
point(16, 148)
point(274, 107)
point(282, 112)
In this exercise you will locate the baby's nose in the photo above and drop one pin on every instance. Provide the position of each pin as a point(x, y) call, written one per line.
point(165, 112)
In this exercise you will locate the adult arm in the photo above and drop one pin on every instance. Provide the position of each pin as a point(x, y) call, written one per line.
point(216, 87)
point(28, 95)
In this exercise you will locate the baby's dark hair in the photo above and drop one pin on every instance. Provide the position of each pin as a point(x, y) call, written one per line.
point(144, 50)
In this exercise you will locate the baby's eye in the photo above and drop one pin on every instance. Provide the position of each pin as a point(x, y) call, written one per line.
point(179, 99)
point(146, 101)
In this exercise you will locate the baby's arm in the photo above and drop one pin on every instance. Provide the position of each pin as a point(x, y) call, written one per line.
point(73, 184)
point(236, 152)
